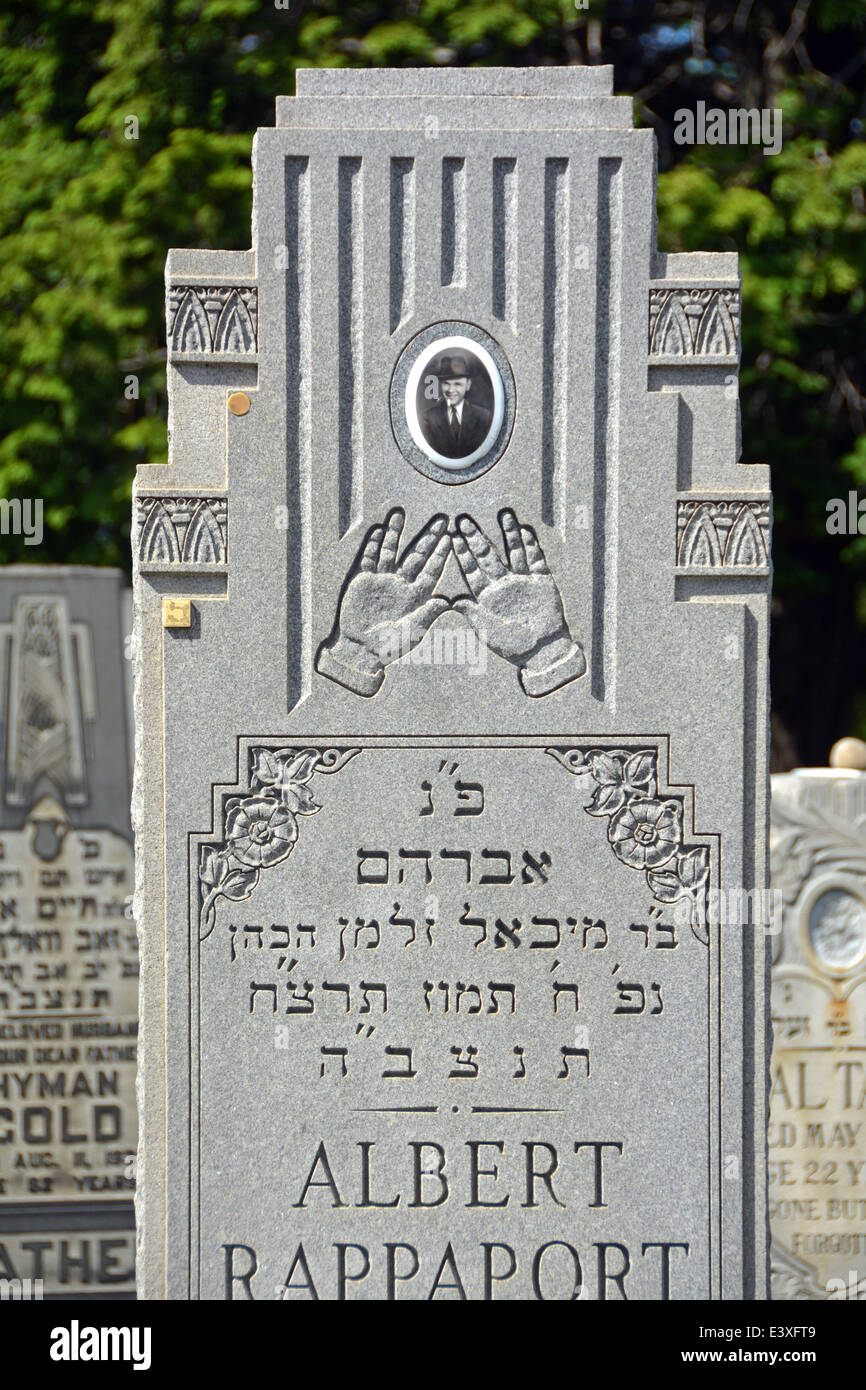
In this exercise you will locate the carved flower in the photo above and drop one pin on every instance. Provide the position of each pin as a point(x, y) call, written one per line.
point(260, 831)
point(619, 777)
point(645, 834)
point(283, 772)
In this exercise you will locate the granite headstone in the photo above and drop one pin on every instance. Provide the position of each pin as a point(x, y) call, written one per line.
point(68, 950)
point(818, 1096)
point(451, 616)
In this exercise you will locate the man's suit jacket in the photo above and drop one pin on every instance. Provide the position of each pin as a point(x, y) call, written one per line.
point(473, 428)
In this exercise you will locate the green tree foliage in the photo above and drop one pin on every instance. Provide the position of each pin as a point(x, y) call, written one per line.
point(125, 128)
point(798, 221)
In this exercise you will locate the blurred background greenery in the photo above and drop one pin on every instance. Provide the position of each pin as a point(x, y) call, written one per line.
point(88, 214)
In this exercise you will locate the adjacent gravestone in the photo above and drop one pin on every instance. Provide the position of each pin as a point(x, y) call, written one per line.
point(68, 950)
point(818, 1096)
point(451, 682)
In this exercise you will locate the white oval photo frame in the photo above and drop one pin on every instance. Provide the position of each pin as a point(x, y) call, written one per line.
point(439, 348)
point(824, 884)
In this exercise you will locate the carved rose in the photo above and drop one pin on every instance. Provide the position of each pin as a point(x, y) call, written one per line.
point(645, 834)
point(261, 826)
point(260, 831)
point(643, 831)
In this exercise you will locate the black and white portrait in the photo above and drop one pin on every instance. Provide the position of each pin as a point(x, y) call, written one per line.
point(455, 420)
point(454, 402)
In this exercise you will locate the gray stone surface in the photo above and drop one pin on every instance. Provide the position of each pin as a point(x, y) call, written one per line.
point(68, 950)
point(817, 1137)
point(439, 769)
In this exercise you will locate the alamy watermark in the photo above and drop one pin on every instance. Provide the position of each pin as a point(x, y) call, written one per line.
point(737, 125)
point(854, 1287)
point(21, 1290)
point(846, 516)
point(22, 516)
point(444, 646)
point(77, 1343)
point(737, 907)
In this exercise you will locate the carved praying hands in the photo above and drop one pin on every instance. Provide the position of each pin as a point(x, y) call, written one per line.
point(387, 605)
point(516, 607)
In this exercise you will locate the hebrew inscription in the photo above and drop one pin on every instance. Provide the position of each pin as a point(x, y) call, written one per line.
point(410, 986)
point(68, 1000)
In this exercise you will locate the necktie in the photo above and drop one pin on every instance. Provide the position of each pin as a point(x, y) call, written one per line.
point(455, 423)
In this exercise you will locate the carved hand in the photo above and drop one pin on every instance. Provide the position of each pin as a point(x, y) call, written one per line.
point(516, 607)
point(387, 605)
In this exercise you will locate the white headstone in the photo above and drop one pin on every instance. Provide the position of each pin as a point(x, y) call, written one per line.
point(818, 1098)
point(68, 950)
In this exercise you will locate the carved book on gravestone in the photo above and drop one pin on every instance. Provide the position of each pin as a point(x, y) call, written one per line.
point(451, 698)
point(817, 1135)
point(68, 949)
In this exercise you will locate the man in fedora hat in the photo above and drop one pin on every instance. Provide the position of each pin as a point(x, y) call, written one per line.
point(454, 426)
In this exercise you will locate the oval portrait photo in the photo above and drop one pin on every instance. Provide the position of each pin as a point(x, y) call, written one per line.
point(454, 402)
